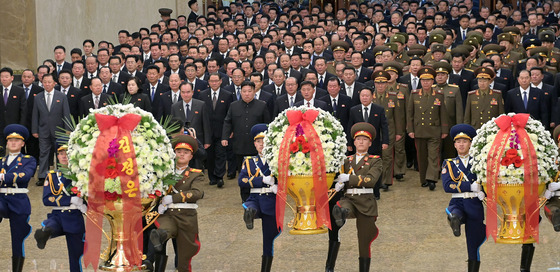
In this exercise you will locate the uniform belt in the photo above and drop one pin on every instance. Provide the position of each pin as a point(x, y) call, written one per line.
point(556, 193)
point(71, 207)
point(182, 206)
point(359, 191)
point(14, 190)
point(263, 190)
point(464, 195)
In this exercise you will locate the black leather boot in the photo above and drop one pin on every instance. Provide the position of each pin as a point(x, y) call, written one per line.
point(160, 263)
point(339, 215)
point(42, 236)
point(527, 251)
point(249, 217)
point(364, 264)
point(474, 266)
point(266, 264)
point(17, 264)
point(158, 238)
point(555, 219)
point(455, 224)
point(331, 255)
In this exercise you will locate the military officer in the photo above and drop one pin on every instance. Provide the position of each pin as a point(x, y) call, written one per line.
point(436, 38)
point(359, 175)
point(394, 70)
point(339, 49)
point(553, 54)
point(473, 59)
point(401, 39)
point(17, 170)
point(516, 34)
point(66, 216)
point(178, 216)
point(483, 104)
point(394, 113)
point(453, 103)
point(438, 53)
point(255, 175)
point(552, 207)
point(427, 124)
point(465, 206)
point(510, 56)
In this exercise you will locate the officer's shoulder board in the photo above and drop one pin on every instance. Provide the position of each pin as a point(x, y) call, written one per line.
point(473, 92)
point(434, 86)
point(415, 91)
point(522, 61)
point(374, 156)
point(450, 160)
point(453, 85)
point(52, 171)
point(470, 70)
point(194, 170)
point(25, 156)
point(496, 91)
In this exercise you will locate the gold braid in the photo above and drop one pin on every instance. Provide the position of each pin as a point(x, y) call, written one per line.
point(455, 179)
point(51, 185)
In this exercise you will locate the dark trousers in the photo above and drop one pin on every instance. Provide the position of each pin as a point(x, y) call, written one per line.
point(269, 228)
point(32, 147)
point(74, 241)
point(46, 147)
point(471, 213)
point(216, 160)
point(244, 192)
point(231, 162)
point(19, 227)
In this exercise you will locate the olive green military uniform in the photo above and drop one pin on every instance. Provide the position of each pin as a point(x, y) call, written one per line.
point(181, 223)
point(510, 60)
point(402, 93)
point(454, 106)
point(427, 119)
point(482, 106)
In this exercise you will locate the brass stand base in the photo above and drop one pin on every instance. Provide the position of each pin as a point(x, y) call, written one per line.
point(306, 232)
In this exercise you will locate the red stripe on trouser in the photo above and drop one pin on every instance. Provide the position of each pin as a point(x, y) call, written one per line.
point(198, 243)
point(373, 240)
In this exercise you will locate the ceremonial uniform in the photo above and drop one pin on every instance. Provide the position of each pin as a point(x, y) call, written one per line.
point(65, 219)
point(427, 119)
point(16, 171)
point(483, 105)
point(402, 92)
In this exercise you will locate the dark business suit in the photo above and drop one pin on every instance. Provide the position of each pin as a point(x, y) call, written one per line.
point(199, 86)
point(377, 119)
point(365, 75)
point(268, 98)
point(46, 122)
point(325, 80)
point(181, 74)
point(155, 101)
point(355, 92)
point(87, 103)
point(73, 96)
point(282, 103)
point(32, 144)
point(233, 90)
point(14, 112)
point(316, 103)
point(140, 100)
point(271, 88)
point(122, 78)
point(114, 90)
point(84, 85)
point(216, 160)
point(166, 101)
point(199, 118)
point(141, 76)
point(343, 106)
point(537, 106)
point(550, 95)
point(465, 87)
point(506, 78)
point(297, 75)
point(65, 66)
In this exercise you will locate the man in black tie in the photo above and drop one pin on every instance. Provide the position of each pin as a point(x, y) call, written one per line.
point(526, 99)
point(59, 57)
point(322, 74)
point(340, 103)
point(14, 105)
point(31, 90)
point(307, 90)
point(288, 99)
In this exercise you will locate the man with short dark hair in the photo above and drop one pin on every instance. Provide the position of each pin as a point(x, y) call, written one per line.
point(60, 59)
point(13, 106)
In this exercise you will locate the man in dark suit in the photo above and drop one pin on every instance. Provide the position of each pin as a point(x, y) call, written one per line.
point(154, 89)
point(175, 67)
point(13, 105)
point(364, 73)
point(31, 90)
point(267, 97)
point(458, 63)
point(238, 76)
point(307, 90)
point(117, 75)
point(525, 99)
point(131, 67)
point(49, 112)
point(193, 114)
point(548, 91)
point(351, 87)
point(340, 103)
point(218, 101)
point(193, 5)
point(242, 115)
point(114, 90)
point(59, 58)
point(277, 87)
point(322, 74)
point(95, 100)
point(169, 98)
point(199, 84)
point(288, 99)
point(79, 80)
point(72, 94)
point(285, 64)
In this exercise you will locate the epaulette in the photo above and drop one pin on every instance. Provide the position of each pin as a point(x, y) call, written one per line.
point(496, 91)
point(473, 92)
point(27, 156)
point(470, 70)
point(415, 91)
point(453, 85)
point(52, 171)
point(522, 61)
point(374, 156)
point(194, 170)
point(392, 93)
point(449, 159)
point(435, 85)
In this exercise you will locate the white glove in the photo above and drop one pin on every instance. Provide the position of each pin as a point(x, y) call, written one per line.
point(481, 195)
point(161, 209)
point(475, 187)
point(166, 200)
point(82, 208)
point(268, 180)
point(76, 201)
point(274, 188)
point(547, 194)
point(1, 177)
point(554, 186)
point(338, 186)
point(343, 178)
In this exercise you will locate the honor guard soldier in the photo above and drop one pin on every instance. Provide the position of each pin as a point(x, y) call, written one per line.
point(17, 170)
point(483, 104)
point(427, 124)
point(552, 207)
point(339, 49)
point(394, 113)
point(178, 216)
point(359, 175)
point(66, 217)
point(394, 69)
point(465, 206)
point(453, 103)
point(255, 175)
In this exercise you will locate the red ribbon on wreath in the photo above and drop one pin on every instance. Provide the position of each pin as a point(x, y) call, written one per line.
point(530, 175)
point(305, 119)
point(110, 128)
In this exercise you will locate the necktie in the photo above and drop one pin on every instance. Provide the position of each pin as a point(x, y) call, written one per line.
point(321, 81)
point(49, 101)
point(525, 99)
point(366, 115)
point(115, 78)
point(334, 105)
point(278, 91)
point(289, 51)
point(26, 92)
point(187, 112)
point(238, 93)
point(350, 91)
point(59, 67)
point(414, 83)
point(464, 34)
point(5, 96)
point(104, 88)
point(286, 74)
point(90, 76)
point(214, 100)
point(96, 102)
point(77, 85)
point(308, 104)
point(153, 92)
point(291, 101)
point(65, 91)
point(174, 98)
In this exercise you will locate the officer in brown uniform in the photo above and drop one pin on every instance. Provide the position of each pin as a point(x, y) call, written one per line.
point(483, 104)
point(401, 39)
point(339, 49)
point(178, 217)
point(553, 54)
point(552, 207)
point(437, 51)
point(473, 61)
point(453, 103)
point(394, 70)
point(359, 174)
point(510, 56)
point(394, 113)
point(427, 123)
point(516, 34)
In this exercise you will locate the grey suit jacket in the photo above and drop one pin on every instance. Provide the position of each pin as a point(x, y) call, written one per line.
point(199, 118)
point(46, 122)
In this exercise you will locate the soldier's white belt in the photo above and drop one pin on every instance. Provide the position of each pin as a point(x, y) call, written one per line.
point(359, 191)
point(71, 207)
point(263, 190)
point(182, 206)
point(14, 190)
point(464, 195)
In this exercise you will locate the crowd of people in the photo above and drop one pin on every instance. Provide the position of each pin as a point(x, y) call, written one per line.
point(412, 69)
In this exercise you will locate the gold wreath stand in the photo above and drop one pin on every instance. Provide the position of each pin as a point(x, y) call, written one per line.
point(510, 198)
point(301, 189)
